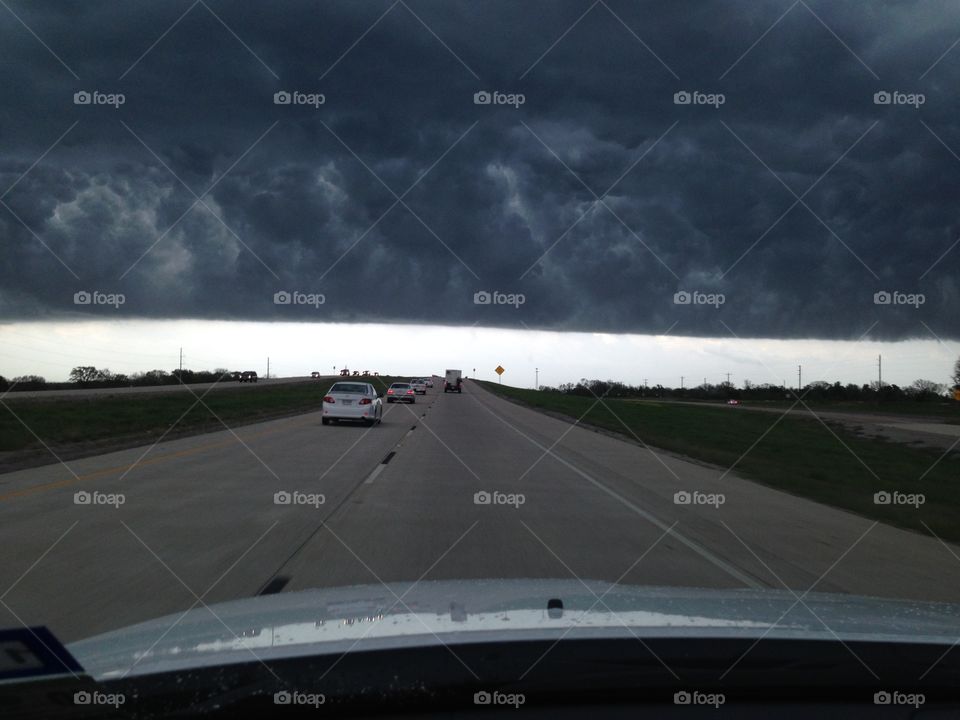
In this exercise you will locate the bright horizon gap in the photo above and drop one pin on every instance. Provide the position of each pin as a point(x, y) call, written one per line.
point(53, 348)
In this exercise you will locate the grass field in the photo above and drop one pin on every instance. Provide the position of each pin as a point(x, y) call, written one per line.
point(74, 420)
point(797, 455)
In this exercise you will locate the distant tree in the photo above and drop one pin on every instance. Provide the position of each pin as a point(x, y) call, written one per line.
point(956, 375)
point(83, 374)
point(926, 389)
point(4, 383)
point(30, 382)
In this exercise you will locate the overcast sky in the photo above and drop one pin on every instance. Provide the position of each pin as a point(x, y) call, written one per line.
point(807, 190)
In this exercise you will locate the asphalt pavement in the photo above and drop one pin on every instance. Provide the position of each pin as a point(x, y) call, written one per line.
point(455, 486)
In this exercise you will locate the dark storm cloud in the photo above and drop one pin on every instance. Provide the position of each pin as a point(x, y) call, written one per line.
point(598, 199)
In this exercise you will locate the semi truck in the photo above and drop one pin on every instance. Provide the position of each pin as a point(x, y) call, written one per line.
point(452, 380)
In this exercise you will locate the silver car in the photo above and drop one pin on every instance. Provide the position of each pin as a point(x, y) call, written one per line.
point(352, 401)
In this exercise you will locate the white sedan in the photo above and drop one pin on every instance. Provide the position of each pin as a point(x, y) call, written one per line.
point(352, 401)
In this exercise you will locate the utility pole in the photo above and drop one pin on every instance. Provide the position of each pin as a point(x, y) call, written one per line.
point(268, 368)
point(681, 382)
point(879, 373)
point(728, 378)
point(181, 361)
point(799, 378)
point(537, 384)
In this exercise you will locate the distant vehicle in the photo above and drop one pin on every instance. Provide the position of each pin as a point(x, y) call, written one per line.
point(236, 375)
point(248, 376)
point(419, 386)
point(366, 372)
point(356, 373)
point(401, 392)
point(376, 374)
point(344, 372)
point(314, 374)
point(429, 382)
point(733, 402)
point(452, 381)
point(352, 401)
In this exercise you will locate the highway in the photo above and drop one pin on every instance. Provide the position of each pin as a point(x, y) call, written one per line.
point(198, 521)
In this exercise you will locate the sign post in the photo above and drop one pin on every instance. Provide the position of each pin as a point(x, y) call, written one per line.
point(499, 371)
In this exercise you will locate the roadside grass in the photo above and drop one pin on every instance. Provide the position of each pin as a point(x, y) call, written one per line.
point(948, 412)
point(793, 454)
point(72, 420)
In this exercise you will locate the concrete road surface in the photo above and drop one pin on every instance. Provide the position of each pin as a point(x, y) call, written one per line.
point(474, 487)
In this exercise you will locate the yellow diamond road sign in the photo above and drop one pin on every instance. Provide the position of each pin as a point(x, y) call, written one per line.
point(499, 370)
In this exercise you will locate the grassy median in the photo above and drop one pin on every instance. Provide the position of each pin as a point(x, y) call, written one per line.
point(797, 455)
point(103, 418)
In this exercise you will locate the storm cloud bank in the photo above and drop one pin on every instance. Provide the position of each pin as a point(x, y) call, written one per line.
point(760, 169)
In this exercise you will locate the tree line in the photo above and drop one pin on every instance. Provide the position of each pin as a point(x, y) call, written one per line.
point(90, 376)
point(922, 390)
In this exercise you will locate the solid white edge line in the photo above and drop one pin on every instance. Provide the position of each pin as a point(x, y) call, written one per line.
point(696, 547)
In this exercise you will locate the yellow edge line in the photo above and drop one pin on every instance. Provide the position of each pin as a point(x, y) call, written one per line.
point(123, 468)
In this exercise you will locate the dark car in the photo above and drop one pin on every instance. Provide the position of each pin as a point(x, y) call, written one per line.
point(248, 376)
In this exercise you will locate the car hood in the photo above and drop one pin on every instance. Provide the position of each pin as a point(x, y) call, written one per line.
point(366, 617)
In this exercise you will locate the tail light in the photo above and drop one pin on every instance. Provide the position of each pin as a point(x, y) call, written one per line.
point(409, 392)
point(329, 399)
point(390, 391)
point(365, 401)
